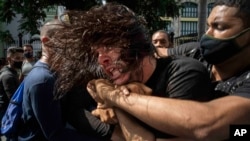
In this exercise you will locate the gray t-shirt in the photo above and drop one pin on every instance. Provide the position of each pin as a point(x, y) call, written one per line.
point(26, 67)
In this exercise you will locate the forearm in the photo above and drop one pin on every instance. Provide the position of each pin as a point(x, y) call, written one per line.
point(184, 49)
point(131, 128)
point(186, 118)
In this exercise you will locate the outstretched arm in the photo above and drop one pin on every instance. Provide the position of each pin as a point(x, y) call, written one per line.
point(190, 49)
point(183, 118)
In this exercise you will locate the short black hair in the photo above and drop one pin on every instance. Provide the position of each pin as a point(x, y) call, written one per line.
point(28, 45)
point(13, 50)
point(243, 8)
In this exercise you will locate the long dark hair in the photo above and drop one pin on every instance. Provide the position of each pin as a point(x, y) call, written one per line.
point(112, 25)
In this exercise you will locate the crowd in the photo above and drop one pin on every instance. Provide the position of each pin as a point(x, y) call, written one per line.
point(101, 76)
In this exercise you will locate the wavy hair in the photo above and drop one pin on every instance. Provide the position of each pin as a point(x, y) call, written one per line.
point(111, 25)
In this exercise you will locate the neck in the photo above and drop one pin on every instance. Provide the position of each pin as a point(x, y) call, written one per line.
point(13, 68)
point(44, 59)
point(30, 59)
point(231, 67)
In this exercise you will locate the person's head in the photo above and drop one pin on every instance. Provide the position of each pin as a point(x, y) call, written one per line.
point(64, 50)
point(15, 57)
point(120, 41)
point(228, 34)
point(161, 39)
point(28, 51)
point(111, 35)
point(47, 32)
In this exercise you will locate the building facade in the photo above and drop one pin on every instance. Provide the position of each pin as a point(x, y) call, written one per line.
point(192, 19)
point(21, 39)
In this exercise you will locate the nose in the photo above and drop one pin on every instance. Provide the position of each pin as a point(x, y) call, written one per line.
point(209, 31)
point(157, 44)
point(104, 59)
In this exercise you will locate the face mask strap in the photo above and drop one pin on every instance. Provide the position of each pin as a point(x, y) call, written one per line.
point(232, 37)
point(241, 33)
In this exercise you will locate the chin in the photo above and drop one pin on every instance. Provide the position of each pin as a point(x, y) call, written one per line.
point(118, 82)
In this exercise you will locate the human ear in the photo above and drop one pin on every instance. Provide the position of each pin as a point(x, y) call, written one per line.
point(44, 39)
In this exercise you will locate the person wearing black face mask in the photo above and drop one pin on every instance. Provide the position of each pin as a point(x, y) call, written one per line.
point(224, 50)
point(28, 62)
point(9, 77)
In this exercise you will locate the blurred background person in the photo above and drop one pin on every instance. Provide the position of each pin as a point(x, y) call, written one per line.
point(28, 61)
point(9, 77)
point(161, 41)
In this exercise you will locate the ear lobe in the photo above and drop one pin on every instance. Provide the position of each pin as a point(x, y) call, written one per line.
point(44, 39)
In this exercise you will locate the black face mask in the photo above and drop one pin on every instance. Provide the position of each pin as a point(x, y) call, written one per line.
point(17, 64)
point(216, 51)
point(28, 55)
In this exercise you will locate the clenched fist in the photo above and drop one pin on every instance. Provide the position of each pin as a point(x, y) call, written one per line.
point(105, 93)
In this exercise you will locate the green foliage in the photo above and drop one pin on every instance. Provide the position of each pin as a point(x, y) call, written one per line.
point(33, 11)
point(152, 10)
point(6, 37)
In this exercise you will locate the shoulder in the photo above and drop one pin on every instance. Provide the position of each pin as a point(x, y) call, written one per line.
point(185, 64)
point(6, 72)
point(40, 73)
point(238, 85)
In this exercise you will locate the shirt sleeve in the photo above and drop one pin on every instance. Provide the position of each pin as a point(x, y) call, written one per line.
point(190, 49)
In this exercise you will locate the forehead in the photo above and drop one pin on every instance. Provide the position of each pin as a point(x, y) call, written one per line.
point(27, 48)
point(224, 14)
point(159, 35)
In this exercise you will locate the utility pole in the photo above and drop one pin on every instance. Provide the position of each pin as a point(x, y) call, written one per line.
point(202, 17)
point(20, 38)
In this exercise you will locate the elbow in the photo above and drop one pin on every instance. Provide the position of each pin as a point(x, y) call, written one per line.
point(202, 134)
point(208, 132)
point(205, 129)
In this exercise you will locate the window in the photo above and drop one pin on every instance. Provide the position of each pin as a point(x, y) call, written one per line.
point(168, 26)
point(188, 27)
point(209, 8)
point(190, 10)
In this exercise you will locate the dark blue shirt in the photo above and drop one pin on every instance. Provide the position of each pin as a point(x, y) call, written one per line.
point(41, 113)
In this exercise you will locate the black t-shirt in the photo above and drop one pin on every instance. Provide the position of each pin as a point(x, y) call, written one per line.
point(180, 77)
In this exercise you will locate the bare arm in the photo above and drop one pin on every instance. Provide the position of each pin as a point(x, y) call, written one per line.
point(187, 49)
point(187, 118)
point(132, 131)
point(183, 118)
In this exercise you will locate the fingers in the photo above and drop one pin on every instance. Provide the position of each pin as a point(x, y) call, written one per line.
point(92, 91)
point(96, 113)
point(106, 115)
point(124, 90)
point(111, 118)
